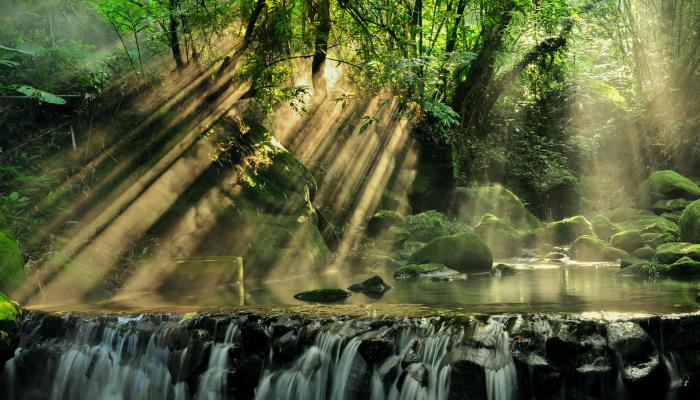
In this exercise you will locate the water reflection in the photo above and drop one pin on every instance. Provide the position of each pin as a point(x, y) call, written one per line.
point(539, 288)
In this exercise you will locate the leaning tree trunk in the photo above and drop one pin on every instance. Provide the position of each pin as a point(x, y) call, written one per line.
point(174, 39)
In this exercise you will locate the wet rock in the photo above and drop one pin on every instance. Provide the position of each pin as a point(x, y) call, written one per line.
point(567, 230)
point(430, 270)
point(325, 295)
point(603, 227)
point(554, 256)
point(630, 341)
point(254, 338)
point(187, 364)
point(375, 347)
point(286, 348)
point(539, 378)
point(52, 326)
point(467, 374)
point(504, 270)
point(373, 287)
point(415, 372)
point(502, 239)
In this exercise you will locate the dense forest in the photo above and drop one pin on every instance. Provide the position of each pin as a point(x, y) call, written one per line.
point(508, 189)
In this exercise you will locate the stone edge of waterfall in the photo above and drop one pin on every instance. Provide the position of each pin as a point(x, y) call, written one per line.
point(245, 354)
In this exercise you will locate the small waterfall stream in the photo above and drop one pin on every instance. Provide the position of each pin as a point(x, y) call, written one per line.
point(244, 356)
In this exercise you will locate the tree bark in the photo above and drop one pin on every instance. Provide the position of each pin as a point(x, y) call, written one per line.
point(174, 39)
point(318, 64)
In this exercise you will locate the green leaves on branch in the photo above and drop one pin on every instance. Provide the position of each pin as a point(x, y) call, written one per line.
point(39, 95)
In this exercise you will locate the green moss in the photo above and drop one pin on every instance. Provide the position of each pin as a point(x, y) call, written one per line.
point(667, 184)
point(669, 253)
point(499, 235)
point(603, 227)
point(464, 252)
point(670, 206)
point(683, 267)
point(689, 223)
point(587, 248)
point(567, 230)
point(644, 253)
point(9, 310)
point(469, 203)
point(628, 241)
point(613, 254)
point(428, 225)
point(11, 263)
point(383, 220)
point(323, 295)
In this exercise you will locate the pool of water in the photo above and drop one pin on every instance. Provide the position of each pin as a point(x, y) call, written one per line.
point(538, 287)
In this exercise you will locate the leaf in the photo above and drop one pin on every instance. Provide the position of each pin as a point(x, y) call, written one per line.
point(40, 95)
point(9, 63)
point(13, 196)
point(367, 122)
point(25, 48)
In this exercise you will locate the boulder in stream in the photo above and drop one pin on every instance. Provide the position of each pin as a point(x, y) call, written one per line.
point(667, 184)
point(689, 223)
point(628, 241)
point(373, 287)
point(464, 252)
point(428, 270)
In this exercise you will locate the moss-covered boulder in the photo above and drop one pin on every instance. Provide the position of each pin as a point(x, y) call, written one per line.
point(468, 204)
point(628, 241)
point(613, 254)
point(689, 223)
point(669, 253)
point(655, 240)
point(464, 252)
point(683, 267)
point(669, 206)
point(427, 270)
point(9, 328)
point(567, 230)
point(603, 227)
point(428, 225)
point(11, 263)
point(641, 220)
point(265, 214)
point(587, 248)
point(499, 235)
point(323, 295)
point(667, 185)
point(383, 220)
point(644, 253)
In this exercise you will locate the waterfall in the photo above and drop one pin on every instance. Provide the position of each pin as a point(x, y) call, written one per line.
point(501, 375)
point(212, 385)
point(222, 356)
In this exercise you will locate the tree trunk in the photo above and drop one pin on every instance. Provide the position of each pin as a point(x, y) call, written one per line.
point(174, 39)
point(232, 60)
point(318, 64)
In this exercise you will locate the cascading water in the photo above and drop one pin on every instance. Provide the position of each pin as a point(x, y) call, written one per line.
point(248, 356)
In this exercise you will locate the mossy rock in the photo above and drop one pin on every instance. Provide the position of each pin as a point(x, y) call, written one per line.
point(689, 223)
point(641, 220)
point(569, 229)
point(627, 262)
point(655, 240)
point(642, 269)
point(603, 227)
point(554, 255)
point(668, 253)
point(613, 254)
point(674, 217)
point(428, 270)
point(670, 206)
point(324, 295)
point(428, 225)
point(383, 220)
point(408, 248)
point(628, 241)
point(644, 253)
point(466, 204)
point(11, 263)
point(681, 268)
point(10, 313)
point(499, 235)
point(587, 248)
point(373, 287)
point(504, 270)
point(667, 185)
point(464, 252)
